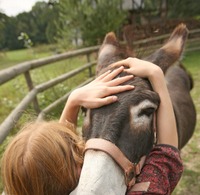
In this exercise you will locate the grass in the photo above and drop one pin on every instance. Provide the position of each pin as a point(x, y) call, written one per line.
point(14, 57)
point(12, 92)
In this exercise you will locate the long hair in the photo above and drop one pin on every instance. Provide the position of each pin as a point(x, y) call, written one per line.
point(43, 159)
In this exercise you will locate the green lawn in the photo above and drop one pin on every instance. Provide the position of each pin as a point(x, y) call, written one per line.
point(17, 56)
point(14, 57)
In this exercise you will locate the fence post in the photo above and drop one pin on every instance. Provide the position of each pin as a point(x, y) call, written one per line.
point(30, 87)
point(90, 68)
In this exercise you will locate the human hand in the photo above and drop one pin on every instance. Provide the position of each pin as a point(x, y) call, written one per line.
point(139, 67)
point(100, 91)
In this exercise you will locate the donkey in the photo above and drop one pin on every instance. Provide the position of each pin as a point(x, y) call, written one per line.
point(129, 123)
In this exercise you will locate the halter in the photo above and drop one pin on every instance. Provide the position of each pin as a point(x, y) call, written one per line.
point(131, 170)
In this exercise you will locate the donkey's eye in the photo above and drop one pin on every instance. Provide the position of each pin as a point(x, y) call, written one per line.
point(147, 111)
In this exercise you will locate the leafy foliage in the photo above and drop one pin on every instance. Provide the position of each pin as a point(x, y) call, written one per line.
point(89, 20)
point(39, 24)
point(25, 38)
point(174, 9)
point(183, 9)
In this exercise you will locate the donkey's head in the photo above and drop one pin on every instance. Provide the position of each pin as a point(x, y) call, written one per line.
point(128, 123)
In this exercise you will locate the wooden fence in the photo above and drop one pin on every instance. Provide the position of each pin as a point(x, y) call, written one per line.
point(143, 47)
point(31, 97)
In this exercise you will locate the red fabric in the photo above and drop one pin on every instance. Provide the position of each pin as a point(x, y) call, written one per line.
point(163, 169)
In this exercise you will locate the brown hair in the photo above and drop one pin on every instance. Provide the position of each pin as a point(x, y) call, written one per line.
point(44, 158)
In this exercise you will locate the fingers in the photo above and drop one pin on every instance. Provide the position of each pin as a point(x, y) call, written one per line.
point(108, 76)
point(129, 71)
point(113, 74)
point(120, 80)
point(105, 96)
point(103, 75)
point(121, 63)
point(119, 89)
point(112, 98)
point(106, 101)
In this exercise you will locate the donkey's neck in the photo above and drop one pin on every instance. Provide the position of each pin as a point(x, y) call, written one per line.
point(100, 174)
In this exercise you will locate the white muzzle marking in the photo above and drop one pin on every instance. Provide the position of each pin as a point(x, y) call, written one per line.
point(100, 175)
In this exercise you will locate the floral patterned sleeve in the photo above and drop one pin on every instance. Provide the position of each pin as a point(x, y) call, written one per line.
point(161, 172)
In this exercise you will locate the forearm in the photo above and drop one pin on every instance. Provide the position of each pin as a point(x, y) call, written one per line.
point(166, 124)
point(71, 110)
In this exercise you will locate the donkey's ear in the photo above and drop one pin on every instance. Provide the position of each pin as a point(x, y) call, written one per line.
point(172, 51)
point(107, 51)
point(111, 51)
point(111, 39)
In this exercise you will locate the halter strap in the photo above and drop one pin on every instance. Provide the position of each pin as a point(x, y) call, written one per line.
point(130, 169)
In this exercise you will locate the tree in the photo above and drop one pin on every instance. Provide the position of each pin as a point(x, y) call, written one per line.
point(39, 24)
point(51, 29)
point(183, 9)
point(89, 20)
point(11, 34)
point(3, 19)
point(173, 9)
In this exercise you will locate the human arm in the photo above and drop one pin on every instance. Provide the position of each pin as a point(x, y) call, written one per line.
point(95, 94)
point(166, 124)
point(161, 172)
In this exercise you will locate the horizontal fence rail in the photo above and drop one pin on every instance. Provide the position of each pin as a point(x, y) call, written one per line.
point(144, 47)
point(12, 72)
